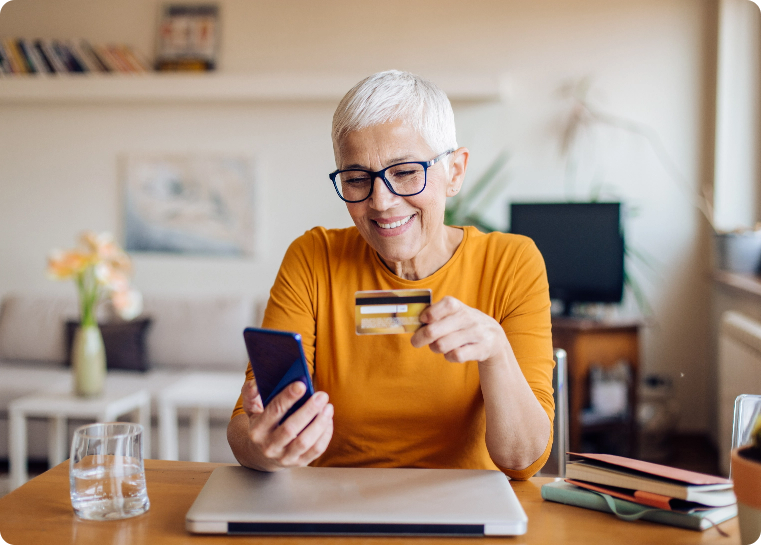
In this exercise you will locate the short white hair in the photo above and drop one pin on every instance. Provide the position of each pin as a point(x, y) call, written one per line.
point(391, 96)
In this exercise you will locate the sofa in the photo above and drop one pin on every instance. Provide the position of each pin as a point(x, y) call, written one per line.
point(186, 334)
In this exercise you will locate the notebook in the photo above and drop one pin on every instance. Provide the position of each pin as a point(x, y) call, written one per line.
point(563, 492)
point(607, 469)
point(357, 501)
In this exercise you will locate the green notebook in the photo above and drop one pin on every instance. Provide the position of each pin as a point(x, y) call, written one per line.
point(569, 494)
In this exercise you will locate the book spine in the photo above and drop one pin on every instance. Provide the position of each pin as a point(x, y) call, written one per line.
point(5, 65)
point(26, 58)
point(132, 59)
point(117, 57)
point(88, 49)
point(39, 63)
point(105, 57)
point(42, 55)
point(124, 55)
point(78, 64)
point(58, 64)
point(142, 60)
point(594, 501)
point(13, 56)
point(63, 56)
point(84, 60)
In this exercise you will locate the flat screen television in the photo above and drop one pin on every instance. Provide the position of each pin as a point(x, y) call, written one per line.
point(582, 245)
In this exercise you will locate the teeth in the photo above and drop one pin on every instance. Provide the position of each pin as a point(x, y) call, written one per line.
point(395, 224)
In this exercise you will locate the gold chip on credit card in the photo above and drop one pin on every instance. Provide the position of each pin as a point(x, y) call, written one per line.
point(386, 312)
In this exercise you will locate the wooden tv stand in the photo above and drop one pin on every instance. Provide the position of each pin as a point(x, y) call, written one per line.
point(589, 342)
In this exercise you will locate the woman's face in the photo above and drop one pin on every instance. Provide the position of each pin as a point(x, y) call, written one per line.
point(401, 229)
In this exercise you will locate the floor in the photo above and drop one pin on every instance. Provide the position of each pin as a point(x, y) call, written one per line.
point(692, 452)
point(34, 468)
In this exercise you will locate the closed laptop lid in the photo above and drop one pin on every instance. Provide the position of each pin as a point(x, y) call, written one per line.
point(357, 501)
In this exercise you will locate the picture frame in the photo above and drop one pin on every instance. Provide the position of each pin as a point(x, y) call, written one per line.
point(190, 204)
point(187, 37)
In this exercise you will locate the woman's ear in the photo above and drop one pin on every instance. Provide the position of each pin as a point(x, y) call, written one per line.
point(457, 171)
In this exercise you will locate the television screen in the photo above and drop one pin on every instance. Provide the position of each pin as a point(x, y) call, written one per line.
point(582, 245)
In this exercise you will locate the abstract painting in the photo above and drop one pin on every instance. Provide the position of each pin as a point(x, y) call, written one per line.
point(190, 204)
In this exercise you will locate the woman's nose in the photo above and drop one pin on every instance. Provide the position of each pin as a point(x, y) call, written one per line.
point(381, 198)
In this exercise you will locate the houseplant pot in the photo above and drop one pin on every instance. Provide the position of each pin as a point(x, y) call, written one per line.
point(738, 252)
point(746, 474)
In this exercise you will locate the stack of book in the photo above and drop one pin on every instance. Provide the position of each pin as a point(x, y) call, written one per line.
point(633, 489)
point(48, 57)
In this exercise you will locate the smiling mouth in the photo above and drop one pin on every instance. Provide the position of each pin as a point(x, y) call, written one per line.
point(394, 224)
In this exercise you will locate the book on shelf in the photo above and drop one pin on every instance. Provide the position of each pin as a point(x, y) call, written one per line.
point(47, 47)
point(26, 57)
point(72, 63)
point(5, 65)
point(42, 58)
point(48, 56)
point(700, 519)
point(84, 60)
point(97, 59)
point(9, 46)
point(627, 473)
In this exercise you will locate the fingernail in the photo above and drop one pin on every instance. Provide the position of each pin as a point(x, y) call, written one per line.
point(298, 388)
point(321, 397)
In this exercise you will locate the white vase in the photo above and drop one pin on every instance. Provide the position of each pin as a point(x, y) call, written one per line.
point(88, 361)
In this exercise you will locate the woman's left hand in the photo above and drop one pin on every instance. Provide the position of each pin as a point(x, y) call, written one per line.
point(461, 333)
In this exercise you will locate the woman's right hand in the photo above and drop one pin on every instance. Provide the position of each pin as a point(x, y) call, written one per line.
point(296, 442)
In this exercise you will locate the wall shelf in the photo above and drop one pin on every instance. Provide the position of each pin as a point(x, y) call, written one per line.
point(746, 283)
point(210, 88)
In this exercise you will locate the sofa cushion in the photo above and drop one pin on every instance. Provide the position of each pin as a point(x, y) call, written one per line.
point(31, 327)
point(198, 331)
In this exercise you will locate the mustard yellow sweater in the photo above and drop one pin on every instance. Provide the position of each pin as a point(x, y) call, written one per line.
point(395, 405)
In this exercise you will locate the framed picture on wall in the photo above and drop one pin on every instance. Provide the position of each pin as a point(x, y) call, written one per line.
point(188, 35)
point(191, 204)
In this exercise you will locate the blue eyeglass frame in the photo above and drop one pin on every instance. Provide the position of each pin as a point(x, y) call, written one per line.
point(382, 174)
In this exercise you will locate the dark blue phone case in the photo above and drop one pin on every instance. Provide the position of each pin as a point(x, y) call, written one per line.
point(277, 359)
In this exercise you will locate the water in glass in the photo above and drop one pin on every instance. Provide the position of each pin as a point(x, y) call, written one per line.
point(107, 475)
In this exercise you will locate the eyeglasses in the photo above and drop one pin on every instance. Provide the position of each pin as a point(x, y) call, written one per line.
point(402, 179)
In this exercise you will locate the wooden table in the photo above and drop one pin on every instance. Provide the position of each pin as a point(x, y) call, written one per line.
point(39, 512)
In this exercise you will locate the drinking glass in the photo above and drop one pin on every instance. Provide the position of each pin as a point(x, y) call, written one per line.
point(747, 409)
point(106, 471)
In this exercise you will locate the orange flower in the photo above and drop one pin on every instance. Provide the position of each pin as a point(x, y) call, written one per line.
point(100, 268)
point(63, 265)
point(128, 303)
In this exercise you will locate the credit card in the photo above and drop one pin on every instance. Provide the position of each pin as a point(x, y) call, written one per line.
point(390, 311)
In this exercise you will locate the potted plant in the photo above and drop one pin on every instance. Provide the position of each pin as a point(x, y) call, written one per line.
point(746, 474)
point(100, 269)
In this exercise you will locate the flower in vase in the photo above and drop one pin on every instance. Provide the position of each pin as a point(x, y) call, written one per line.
point(128, 303)
point(100, 269)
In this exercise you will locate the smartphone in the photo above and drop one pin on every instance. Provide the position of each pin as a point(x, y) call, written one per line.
point(277, 359)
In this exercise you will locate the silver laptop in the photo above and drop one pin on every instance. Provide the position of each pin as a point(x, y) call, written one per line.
point(357, 501)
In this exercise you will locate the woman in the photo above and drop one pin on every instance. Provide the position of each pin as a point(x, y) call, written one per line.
point(472, 387)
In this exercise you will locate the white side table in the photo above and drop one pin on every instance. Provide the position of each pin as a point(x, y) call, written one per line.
point(198, 392)
point(57, 407)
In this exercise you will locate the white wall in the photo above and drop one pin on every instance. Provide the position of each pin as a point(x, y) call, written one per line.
point(651, 60)
point(738, 134)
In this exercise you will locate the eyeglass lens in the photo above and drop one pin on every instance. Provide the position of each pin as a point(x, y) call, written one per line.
point(405, 179)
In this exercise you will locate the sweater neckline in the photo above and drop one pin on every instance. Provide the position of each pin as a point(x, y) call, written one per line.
point(466, 231)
